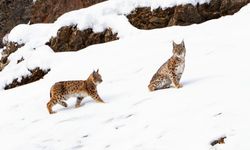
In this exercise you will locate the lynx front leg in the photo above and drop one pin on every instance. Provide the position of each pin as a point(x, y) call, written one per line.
point(96, 97)
point(180, 85)
point(78, 102)
point(175, 80)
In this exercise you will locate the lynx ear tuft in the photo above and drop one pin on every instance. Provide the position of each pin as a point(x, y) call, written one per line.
point(182, 43)
point(97, 70)
point(174, 44)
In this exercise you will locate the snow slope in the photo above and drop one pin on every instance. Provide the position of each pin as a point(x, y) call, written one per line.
point(214, 101)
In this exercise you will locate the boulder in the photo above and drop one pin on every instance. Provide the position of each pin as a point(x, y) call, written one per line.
point(13, 12)
point(36, 74)
point(70, 38)
point(10, 48)
point(144, 18)
point(46, 11)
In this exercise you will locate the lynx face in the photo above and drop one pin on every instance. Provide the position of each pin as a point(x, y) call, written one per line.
point(97, 78)
point(179, 50)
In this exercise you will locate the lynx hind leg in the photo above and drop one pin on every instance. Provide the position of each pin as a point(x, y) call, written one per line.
point(78, 101)
point(50, 104)
point(64, 104)
point(159, 83)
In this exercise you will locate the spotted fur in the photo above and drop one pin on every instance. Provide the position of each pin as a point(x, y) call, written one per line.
point(171, 71)
point(61, 91)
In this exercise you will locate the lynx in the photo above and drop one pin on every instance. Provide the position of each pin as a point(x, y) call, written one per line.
point(171, 71)
point(61, 91)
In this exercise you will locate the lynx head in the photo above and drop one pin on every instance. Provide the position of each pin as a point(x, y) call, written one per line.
point(95, 77)
point(179, 50)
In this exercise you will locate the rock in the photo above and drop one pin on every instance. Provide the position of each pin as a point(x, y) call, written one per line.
point(13, 12)
point(157, 20)
point(10, 48)
point(185, 15)
point(69, 38)
point(144, 18)
point(220, 140)
point(229, 7)
point(46, 11)
point(36, 74)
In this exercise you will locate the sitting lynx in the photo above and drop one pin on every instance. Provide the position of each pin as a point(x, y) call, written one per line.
point(171, 71)
point(63, 90)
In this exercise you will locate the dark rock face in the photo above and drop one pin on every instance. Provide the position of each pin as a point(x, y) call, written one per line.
point(12, 13)
point(36, 74)
point(45, 11)
point(144, 18)
point(69, 38)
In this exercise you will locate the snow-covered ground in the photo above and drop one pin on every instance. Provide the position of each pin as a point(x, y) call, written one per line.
point(213, 102)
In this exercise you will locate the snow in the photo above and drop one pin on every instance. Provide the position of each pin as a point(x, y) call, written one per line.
point(213, 102)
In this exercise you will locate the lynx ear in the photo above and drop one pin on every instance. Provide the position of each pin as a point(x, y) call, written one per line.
point(97, 70)
point(93, 71)
point(174, 44)
point(182, 43)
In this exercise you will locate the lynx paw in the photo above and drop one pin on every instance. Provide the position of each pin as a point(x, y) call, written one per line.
point(100, 101)
point(151, 88)
point(78, 105)
point(179, 86)
point(52, 112)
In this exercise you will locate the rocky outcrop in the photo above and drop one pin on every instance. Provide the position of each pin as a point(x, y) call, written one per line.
point(10, 48)
point(45, 11)
point(144, 18)
point(12, 13)
point(69, 38)
point(36, 74)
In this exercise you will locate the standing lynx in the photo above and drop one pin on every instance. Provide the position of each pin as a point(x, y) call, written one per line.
point(171, 71)
point(63, 90)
